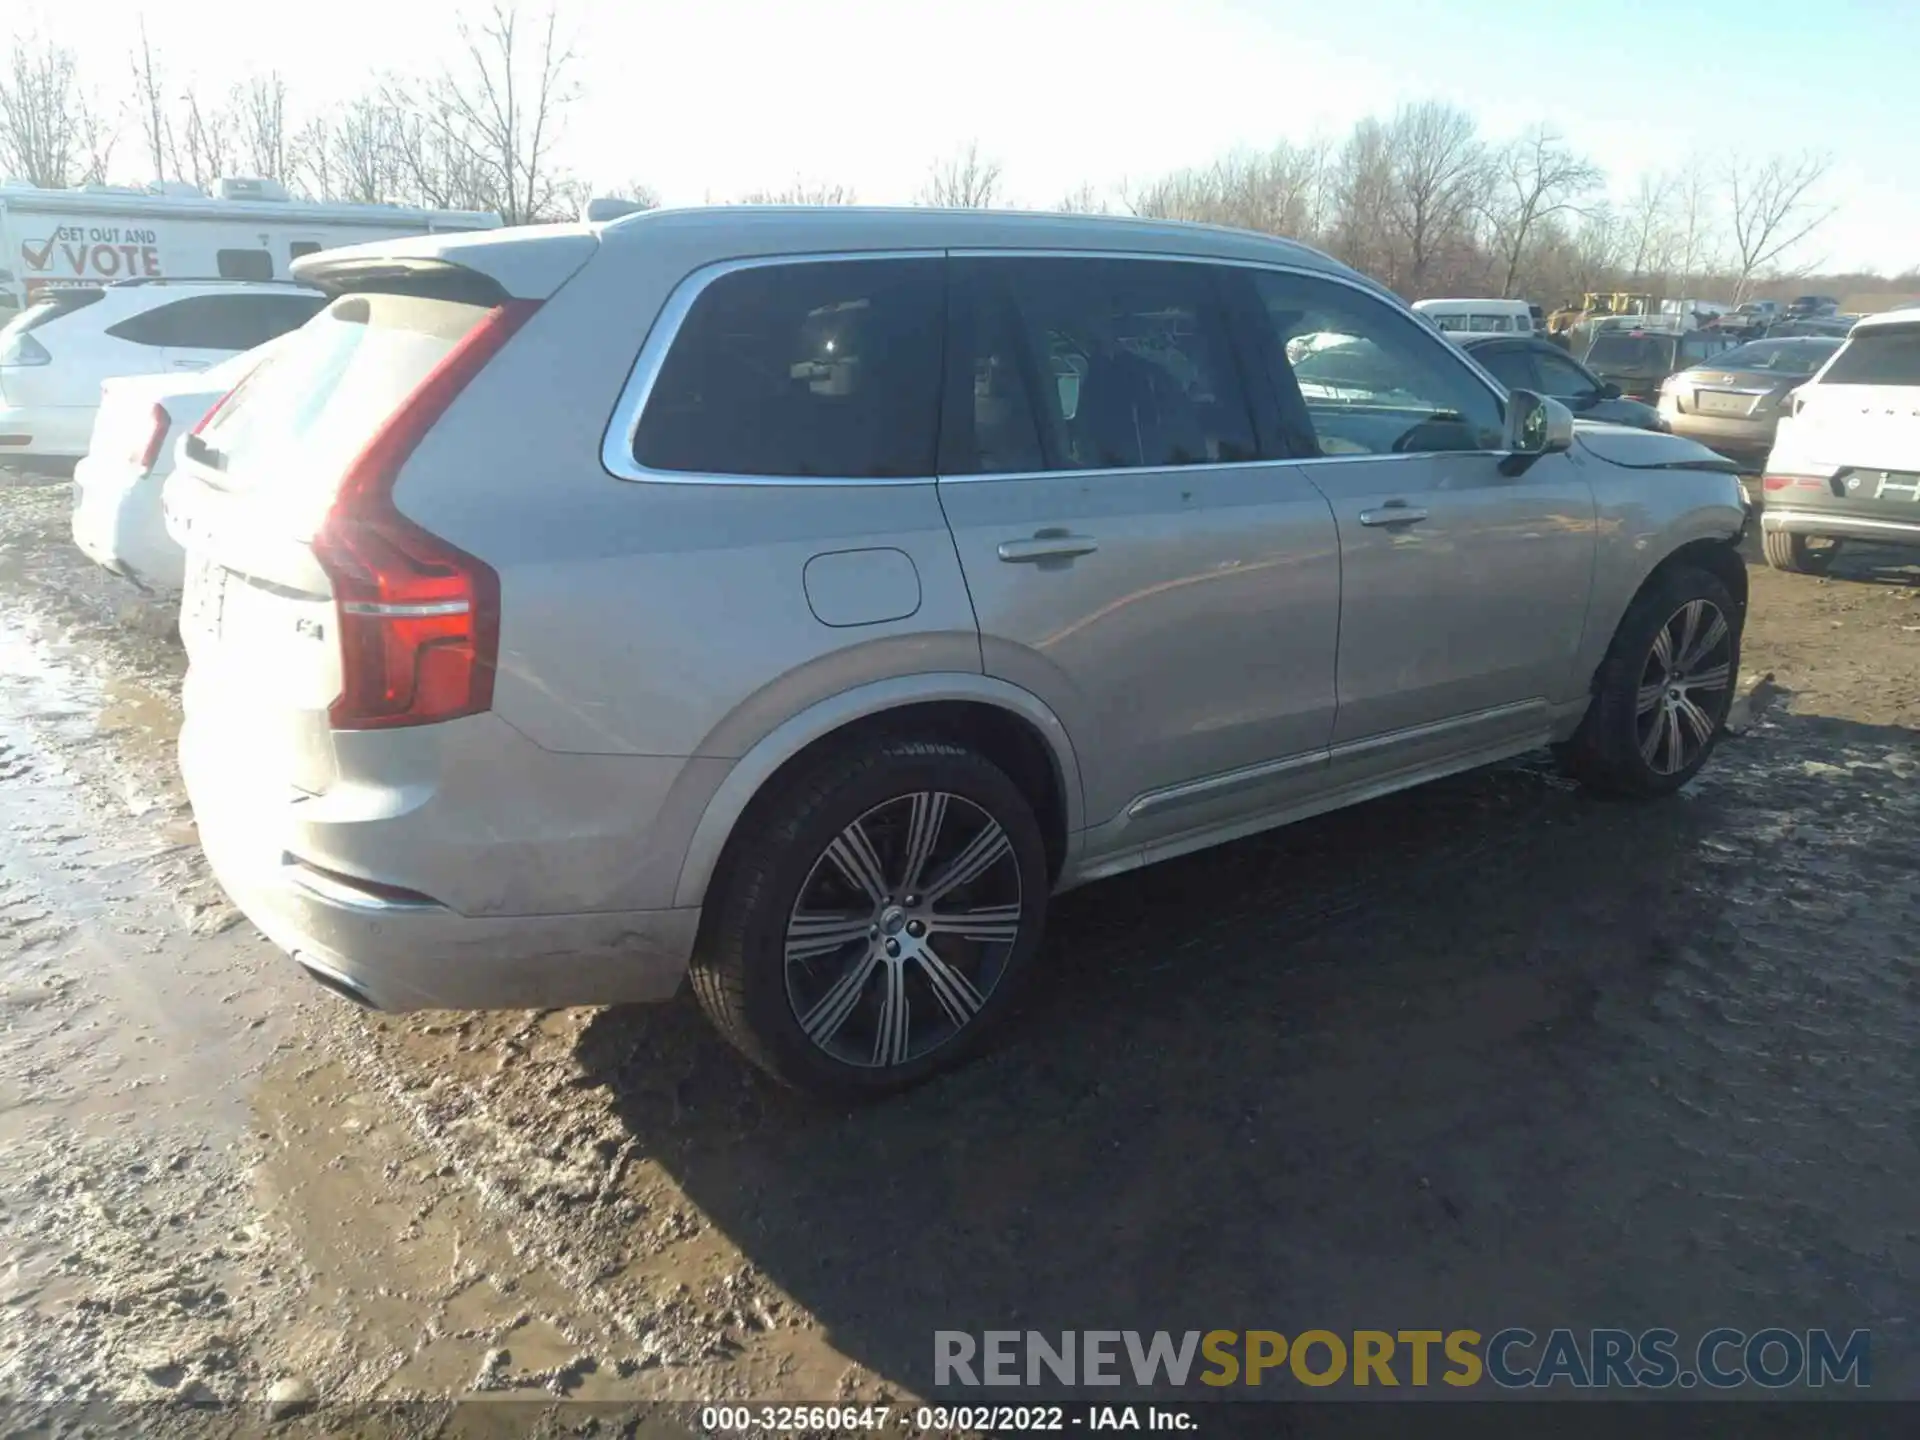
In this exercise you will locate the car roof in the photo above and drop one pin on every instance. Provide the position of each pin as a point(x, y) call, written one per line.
point(1905, 315)
point(775, 229)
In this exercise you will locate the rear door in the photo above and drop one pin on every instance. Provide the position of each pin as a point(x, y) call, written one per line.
point(1132, 559)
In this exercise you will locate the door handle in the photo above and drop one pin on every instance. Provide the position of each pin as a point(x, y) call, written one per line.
point(1047, 545)
point(1394, 512)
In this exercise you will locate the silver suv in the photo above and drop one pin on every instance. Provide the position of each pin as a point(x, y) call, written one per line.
point(801, 598)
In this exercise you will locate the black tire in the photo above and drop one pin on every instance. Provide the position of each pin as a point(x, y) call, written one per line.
point(1608, 753)
point(741, 971)
point(1792, 553)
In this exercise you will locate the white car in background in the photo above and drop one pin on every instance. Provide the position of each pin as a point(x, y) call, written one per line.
point(117, 517)
point(1845, 465)
point(55, 353)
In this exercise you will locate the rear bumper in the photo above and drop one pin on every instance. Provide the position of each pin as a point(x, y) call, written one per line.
point(117, 523)
point(307, 884)
point(1841, 527)
point(1730, 435)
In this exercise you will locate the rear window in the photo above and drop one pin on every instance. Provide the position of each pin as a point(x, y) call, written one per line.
point(1800, 357)
point(49, 307)
point(827, 369)
point(1878, 357)
point(1625, 351)
point(299, 419)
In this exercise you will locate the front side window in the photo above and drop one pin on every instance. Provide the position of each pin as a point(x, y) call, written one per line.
point(1108, 364)
point(1878, 356)
point(1370, 380)
point(827, 369)
point(1562, 379)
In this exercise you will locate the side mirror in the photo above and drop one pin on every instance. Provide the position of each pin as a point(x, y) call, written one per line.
point(1609, 391)
point(1536, 426)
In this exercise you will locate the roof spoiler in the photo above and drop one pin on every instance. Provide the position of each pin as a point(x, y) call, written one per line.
point(528, 262)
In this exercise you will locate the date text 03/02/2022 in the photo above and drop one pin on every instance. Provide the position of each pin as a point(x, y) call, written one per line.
point(940, 1419)
point(1724, 1358)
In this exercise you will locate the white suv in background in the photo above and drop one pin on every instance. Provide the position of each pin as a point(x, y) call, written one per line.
point(1845, 463)
point(55, 353)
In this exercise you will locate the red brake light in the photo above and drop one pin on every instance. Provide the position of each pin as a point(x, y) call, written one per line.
point(214, 409)
point(149, 451)
point(1792, 482)
point(419, 618)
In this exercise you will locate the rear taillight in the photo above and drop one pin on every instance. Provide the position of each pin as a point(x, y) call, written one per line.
point(1792, 482)
point(419, 618)
point(146, 449)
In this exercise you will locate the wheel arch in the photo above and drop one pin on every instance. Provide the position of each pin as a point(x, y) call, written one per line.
point(1009, 725)
point(1718, 555)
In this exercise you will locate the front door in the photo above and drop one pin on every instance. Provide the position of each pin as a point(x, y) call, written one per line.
point(1131, 561)
point(1464, 588)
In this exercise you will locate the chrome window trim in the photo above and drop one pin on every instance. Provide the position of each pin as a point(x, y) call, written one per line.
point(617, 444)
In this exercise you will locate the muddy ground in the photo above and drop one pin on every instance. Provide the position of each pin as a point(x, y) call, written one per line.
point(1490, 1053)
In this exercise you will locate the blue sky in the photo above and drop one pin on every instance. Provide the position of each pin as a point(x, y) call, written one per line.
point(707, 98)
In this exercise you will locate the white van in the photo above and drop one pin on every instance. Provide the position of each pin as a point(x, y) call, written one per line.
point(245, 230)
point(1469, 319)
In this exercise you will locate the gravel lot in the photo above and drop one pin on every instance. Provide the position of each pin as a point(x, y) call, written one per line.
point(1489, 1053)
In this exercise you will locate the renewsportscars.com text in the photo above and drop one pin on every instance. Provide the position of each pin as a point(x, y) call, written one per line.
point(1513, 1358)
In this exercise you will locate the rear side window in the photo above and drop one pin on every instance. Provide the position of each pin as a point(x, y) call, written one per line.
point(1108, 364)
point(218, 322)
point(1878, 357)
point(244, 264)
point(298, 248)
point(827, 369)
point(300, 419)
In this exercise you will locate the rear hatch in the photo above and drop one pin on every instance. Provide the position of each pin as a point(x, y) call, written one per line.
point(1853, 446)
point(1637, 361)
point(311, 603)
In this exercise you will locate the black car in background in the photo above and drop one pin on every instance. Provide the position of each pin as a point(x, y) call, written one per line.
point(1544, 368)
point(1638, 360)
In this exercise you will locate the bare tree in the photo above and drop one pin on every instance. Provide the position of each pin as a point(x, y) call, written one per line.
point(1695, 225)
point(1082, 200)
point(1647, 227)
point(310, 167)
point(1536, 177)
point(1278, 191)
point(206, 149)
point(150, 101)
point(1772, 210)
point(263, 126)
point(802, 192)
point(51, 133)
point(1359, 190)
point(488, 124)
point(963, 181)
point(1439, 176)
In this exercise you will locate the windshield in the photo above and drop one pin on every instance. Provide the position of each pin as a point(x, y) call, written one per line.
point(1621, 350)
point(1780, 357)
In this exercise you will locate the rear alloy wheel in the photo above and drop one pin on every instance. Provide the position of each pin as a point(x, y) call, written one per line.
point(1798, 554)
point(872, 926)
point(1664, 691)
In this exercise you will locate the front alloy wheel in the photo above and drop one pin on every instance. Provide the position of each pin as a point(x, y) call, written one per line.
point(902, 929)
point(1680, 700)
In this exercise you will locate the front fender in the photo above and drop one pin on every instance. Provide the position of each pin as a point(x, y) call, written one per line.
point(760, 762)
